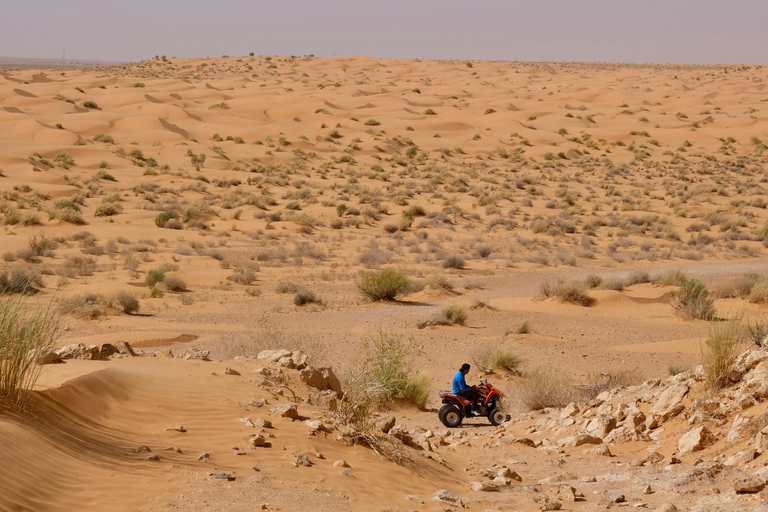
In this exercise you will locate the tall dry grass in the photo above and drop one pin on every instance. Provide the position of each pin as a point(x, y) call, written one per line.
point(719, 353)
point(26, 332)
point(542, 388)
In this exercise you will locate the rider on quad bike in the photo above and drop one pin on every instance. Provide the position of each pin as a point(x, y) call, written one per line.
point(464, 401)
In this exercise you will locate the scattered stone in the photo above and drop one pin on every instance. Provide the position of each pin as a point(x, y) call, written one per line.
point(386, 423)
point(261, 423)
point(666, 507)
point(285, 410)
point(176, 429)
point(79, 351)
point(174, 449)
point(695, 439)
point(574, 441)
point(152, 457)
point(48, 357)
point(601, 450)
point(341, 463)
point(648, 490)
point(670, 402)
point(413, 497)
point(107, 350)
point(508, 473)
point(566, 493)
point(447, 497)
point(483, 487)
point(125, 348)
point(748, 484)
point(317, 426)
point(196, 353)
point(569, 411)
point(223, 476)
point(257, 440)
point(143, 448)
point(231, 371)
point(302, 459)
point(256, 403)
point(204, 456)
point(614, 496)
point(320, 378)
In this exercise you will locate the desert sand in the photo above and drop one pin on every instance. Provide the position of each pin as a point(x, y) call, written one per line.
point(247, 180)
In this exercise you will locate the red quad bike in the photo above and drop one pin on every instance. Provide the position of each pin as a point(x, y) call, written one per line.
point(488, 404)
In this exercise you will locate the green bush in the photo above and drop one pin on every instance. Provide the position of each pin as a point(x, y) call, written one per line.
point(154, 277)
point(692, 301)
point(162, 219)
point(385, 284)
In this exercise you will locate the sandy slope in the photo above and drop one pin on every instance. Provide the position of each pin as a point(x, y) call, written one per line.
point(527, 171)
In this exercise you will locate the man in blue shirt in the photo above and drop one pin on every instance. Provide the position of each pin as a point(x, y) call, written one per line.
point(460, 387)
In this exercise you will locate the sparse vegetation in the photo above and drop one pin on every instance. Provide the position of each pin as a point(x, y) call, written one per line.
point(693, 301)
point(385, 284)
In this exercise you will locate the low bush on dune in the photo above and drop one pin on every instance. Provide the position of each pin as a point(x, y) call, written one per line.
point(305, 296)
point(174, 283)
point(452, 314)
point(693, 302)
point(126, 302)
point(671, 278)
point(26, 332)
point(500, 356)
point(567, 291)
point(20, 280)
point(385, 284)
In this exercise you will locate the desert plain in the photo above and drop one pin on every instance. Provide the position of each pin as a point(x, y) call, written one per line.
point(195, 213)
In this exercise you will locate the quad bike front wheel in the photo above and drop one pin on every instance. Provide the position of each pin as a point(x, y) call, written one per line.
point(496, 416)
point(450, 416)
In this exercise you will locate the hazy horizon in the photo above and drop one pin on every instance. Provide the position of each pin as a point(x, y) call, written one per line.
point(683, 32)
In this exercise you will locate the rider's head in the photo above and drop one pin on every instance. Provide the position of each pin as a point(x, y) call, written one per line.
point(465, 368)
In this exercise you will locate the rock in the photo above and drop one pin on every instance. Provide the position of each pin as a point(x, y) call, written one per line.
point(651, 422)
point(320, 378)
point(614, 496)
point(386, 423)
point(341, 464)
point(107, 350)
point(274, 355)
point(601, 450)
point(256, 403)
point(413, 497)
point(317, 426)
point(508, 473)
point(670, 402)
point(204, 456)
point(48, 357)
point(741, 457)
point(756, 381)
point(574, 441)
point(143, 448)
point(483, 487)
point(302, 459)
point(666, 507)
point(152, 457)
point(296, 360)
point(748, 484)
point(196, 353)
point(601, 426)
point(569, 411)
point(566, 493)
point(125, 348)
point(648, 490)
point(502, 480)
point(223, 476)
point(447, 497)
point(79, 351)
point(285, 410)
point(257, 440)
point(231, 371)
point(695, 439)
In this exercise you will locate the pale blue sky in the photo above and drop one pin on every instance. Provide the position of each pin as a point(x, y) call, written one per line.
point(679, 31)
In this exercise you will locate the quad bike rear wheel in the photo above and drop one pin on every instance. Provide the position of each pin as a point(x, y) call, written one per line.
point(496, 416)
point(450, 416)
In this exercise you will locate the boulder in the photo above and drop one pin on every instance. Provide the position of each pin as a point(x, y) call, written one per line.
point(574, 441)
point(756, 381)
point(447, 497)
point(614, 496)
point(79, 351)
point(125, 348)
point(196, 353)
point(107, 350)
point(748, 484)
point(317, 426)
point(320, 378)
point(274, 355)
point(695, 439)
point(670, 402)
point(257, 440)
point(601, 426)
point(569, 411)
point(285, 410)
point(386, 423)
point(483, 487)
point(48, 357)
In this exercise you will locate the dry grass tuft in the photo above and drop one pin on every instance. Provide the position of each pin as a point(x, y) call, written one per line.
point(500, 356)
point(719, 353)
point(543, 388)
point(567, 291)
point(693, 302)
point(26, 333)
point(385, 284)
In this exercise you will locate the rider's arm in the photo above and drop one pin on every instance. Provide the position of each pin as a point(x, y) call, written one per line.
point(463, 383)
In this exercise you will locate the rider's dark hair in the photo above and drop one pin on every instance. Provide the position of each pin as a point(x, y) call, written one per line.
point(465, 367)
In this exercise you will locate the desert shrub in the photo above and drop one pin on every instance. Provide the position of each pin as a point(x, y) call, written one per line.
point(593, 281)
point(719, 353)
point(21, 281)
point(305, 296)
point(484, 251)
point(543, 388)
point(500, 356)
point(756, 331)
point(758, 294)
point(287, 287)
point(173, 282)
point(389, 357)
point(676, 370)
point(162, 219)
point(26, 333)
point(154, 277)
point(417, 388)
point(374, 257)
point(77, 266)
point(68, 215)
point(693, 302)
point(523, 327)
point(455, 314)
point(243, 277)
point(91, 104)
point(385, 284)
point(638, 277)
point(126, 302)
point(108, 209)
point(567, 291)
point(86, 306)
point(671, 278)
point(454, 261)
